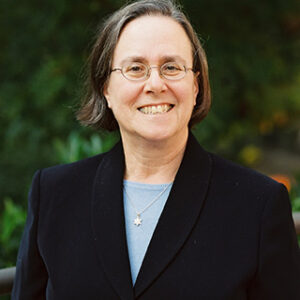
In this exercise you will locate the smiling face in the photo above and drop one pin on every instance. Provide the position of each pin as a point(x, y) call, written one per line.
point(157, 108)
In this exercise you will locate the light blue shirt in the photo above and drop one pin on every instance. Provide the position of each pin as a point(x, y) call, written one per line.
point(138, 237)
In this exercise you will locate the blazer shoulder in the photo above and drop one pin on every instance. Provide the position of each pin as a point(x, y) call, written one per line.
point(229, 171)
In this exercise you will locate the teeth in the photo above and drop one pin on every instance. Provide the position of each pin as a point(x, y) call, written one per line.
point(155, 109)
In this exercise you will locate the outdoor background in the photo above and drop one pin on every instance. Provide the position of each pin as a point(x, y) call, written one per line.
point(253, 49)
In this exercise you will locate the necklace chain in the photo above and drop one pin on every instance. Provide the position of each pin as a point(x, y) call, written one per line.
point(138, 220)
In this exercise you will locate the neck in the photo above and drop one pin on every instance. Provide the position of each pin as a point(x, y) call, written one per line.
point(153, 162)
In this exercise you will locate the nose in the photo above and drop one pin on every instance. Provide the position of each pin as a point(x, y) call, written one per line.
point(155, 83)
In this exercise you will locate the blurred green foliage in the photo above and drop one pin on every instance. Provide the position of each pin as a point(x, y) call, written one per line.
point(253, 54)
point(11, 226)
point(295, 194)
point(77, 147)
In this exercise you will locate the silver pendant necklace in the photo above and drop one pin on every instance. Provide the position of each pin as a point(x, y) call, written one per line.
point(138, 220)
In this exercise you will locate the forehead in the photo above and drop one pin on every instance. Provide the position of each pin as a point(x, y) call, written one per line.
point(153, 37)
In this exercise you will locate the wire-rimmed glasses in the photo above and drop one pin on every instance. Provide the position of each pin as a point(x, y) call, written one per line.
point(137, 71)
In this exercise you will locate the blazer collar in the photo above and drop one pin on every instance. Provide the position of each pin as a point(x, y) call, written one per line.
point(108, 222)
point(176, 221)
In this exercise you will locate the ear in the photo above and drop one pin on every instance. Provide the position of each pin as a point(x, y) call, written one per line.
point(107, 94)
point(196, 86)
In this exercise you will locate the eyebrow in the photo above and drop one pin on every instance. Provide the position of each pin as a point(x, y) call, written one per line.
point(163, 59)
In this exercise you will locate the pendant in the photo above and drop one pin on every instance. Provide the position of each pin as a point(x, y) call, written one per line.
point(137, 220)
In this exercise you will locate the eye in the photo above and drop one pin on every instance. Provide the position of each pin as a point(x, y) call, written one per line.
point(135, 68)
point(172, 68)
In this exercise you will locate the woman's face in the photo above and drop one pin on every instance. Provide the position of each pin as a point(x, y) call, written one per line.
point(140, 106)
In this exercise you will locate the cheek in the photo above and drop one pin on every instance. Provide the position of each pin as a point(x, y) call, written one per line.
point(129, 94)
point(121, 94)
point(195, 91)
point(186, 94)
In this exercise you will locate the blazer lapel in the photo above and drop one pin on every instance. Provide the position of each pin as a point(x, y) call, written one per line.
point(179, 215)
point(108, 222)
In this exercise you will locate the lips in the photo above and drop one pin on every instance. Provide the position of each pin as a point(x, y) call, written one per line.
point(156, 109)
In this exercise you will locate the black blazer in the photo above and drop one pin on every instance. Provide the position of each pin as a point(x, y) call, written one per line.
point(226, 232)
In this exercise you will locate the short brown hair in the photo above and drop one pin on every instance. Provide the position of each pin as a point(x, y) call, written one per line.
point(94, 110)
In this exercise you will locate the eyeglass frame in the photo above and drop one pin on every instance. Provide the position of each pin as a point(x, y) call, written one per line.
point(148, 73)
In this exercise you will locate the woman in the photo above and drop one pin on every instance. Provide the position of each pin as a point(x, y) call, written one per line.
point(157, 217)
